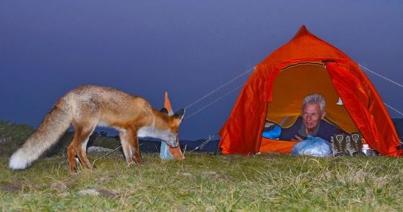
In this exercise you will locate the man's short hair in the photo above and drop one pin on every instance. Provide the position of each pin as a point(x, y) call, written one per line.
point(315, 99)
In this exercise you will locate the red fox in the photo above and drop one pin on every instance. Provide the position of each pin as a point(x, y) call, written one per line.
point(89, 106)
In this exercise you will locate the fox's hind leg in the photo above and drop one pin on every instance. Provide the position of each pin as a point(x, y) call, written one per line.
point(78, 147)
point(82, 153)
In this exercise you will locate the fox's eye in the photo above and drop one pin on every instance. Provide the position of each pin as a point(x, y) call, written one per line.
point(164, 110)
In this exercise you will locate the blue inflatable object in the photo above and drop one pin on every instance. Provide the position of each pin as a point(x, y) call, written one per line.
point(313, 146)
point(272, 132)
point(164, 152)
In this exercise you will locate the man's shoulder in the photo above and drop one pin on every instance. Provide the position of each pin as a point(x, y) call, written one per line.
point(327, 126)
point(289, 133)
point(327, 129)
point(298, 121)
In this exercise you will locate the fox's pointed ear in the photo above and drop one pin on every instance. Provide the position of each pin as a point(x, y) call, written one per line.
point(164, 110)
point(180, 114)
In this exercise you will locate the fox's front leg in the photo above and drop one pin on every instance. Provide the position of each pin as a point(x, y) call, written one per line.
point(128, 150)
point(135, 142)
point(131, 150)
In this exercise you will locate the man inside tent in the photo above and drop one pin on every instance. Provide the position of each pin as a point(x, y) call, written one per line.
point(311, 122)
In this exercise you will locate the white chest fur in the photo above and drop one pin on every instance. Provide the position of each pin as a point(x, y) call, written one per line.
point(165, 135)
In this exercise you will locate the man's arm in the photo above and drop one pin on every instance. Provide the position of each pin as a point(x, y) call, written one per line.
point(291, 133)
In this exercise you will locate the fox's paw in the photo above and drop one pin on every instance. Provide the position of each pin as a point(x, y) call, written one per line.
point(18, 161)
point(137, 159)
point(73, 166)
point(134, 163)
point(131, 163)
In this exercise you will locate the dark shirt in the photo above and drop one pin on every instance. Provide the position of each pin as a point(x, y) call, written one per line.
point(324, 130)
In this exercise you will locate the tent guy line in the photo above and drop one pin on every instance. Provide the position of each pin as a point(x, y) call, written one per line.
point(394, 109)
point(218, 88)
point(213, 102)
point(381, 76)
point(387, 79)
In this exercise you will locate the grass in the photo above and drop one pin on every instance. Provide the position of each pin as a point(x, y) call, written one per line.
point(208, 183)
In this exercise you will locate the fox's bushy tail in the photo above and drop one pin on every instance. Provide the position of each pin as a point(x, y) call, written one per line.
point(55, 124)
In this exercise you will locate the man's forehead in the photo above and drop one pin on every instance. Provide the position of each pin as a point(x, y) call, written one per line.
point(312, 108)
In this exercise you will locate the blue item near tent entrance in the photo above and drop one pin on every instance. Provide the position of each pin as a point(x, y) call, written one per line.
point(272, 132)
point(164, 152)
point(313, 146)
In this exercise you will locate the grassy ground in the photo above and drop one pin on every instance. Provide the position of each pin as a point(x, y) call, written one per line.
point(204, 182)
point(207, 182)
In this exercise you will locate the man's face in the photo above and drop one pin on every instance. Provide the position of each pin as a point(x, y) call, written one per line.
point(311, 116)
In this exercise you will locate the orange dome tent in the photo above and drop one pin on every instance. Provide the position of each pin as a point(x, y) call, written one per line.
point(275, 91)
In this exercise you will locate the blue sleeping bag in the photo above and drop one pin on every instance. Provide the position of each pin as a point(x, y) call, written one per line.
point(272, 132)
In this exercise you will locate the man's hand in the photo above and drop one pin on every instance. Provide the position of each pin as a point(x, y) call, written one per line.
point(297, 138)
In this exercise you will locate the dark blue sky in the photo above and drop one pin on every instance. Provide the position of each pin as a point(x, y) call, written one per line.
point(186, 47)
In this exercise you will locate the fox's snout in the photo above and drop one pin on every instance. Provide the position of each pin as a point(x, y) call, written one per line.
point(172, 141)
